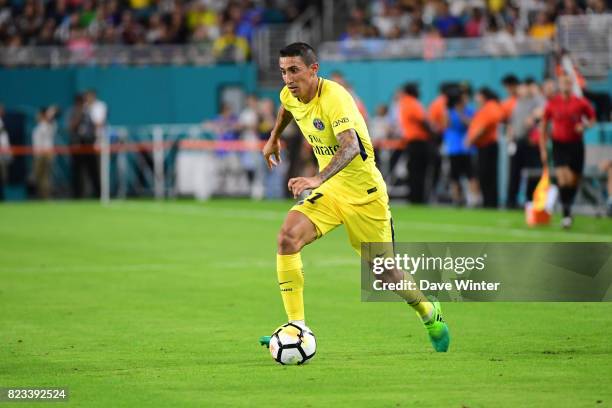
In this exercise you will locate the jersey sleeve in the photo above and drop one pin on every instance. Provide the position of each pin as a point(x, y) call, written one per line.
point(284, 98)
point(341, 110)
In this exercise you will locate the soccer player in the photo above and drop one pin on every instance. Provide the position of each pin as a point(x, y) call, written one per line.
point(570, 116)
point(348, 190)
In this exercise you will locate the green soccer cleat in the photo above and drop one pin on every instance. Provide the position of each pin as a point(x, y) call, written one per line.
point(437, 329)
point(265, 340)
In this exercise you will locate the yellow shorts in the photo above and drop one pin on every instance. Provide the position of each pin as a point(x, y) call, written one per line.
point(370, 222)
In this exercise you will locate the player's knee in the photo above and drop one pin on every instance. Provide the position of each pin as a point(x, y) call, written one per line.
point(289, 241)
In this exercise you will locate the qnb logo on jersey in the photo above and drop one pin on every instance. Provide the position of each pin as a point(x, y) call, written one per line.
point(325, 150)
point(318, 123)
point(339, 122)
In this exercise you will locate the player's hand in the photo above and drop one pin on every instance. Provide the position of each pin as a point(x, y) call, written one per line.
point(271, 152)
point(297, 185)
point(579, 128)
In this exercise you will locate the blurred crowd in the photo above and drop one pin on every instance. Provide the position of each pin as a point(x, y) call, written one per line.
point(431, 19)
point(226, 26)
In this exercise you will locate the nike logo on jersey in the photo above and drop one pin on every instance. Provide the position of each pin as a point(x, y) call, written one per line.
point(282, 283)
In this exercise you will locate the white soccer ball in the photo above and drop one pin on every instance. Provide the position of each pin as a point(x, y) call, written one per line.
point(293, 344)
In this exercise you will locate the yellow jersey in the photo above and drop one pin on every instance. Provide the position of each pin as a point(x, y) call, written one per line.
point(332, 111)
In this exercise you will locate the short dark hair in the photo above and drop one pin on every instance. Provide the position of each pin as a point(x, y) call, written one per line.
point(510, 80)
point(530, 80)
point(488, 93)
point(455, 97)
point(411, 89)
point(302, 50)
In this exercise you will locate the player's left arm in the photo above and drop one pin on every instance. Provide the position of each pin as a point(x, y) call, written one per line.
point(348, 150)
point(588, 118)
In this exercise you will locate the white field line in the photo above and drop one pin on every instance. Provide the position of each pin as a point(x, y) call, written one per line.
point(255, 214)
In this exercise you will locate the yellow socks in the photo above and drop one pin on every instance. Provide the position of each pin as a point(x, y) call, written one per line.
point(291, 283)
point(415, 298)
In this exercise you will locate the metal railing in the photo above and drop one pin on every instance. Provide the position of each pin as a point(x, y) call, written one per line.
point(102, 55)
point(589, 40)
point(496, 46)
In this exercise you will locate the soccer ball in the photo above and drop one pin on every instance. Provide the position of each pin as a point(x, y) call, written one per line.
point(292, 344)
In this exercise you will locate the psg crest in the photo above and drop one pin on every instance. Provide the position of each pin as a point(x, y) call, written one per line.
point(318, 123)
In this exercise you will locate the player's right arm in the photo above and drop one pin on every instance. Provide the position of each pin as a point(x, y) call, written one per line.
point(271, 149)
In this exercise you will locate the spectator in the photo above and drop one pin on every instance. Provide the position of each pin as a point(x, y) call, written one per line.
point(199, 15)
point(267, 117)
point(29, 22)
point(226, 128)
point(598, 6)
point(391, 16)
point(482, 133)
point(248, 121)
point(570, 8)
point(511, 85)
point(543, 28)
point(97, 110)
point(437, 116)
point(5, 154)
point(381, 129)
point(157, 31)
point(416, 134)
point(229, 47)
point(43, 137)
point(437, 112)
point(522, 150)
point(475, 26)
point(87, 119)
point(434, 45)
point(460, 115)
point(446, 24)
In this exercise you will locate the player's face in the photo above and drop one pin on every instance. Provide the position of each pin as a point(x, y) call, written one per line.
point(565, 84)
point(297, 75)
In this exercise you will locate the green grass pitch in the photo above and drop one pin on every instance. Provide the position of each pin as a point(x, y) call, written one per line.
point(161, 304)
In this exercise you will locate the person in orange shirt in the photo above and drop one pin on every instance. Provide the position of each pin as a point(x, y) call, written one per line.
point(437, 113)
point(511, 85)
point(482, 133)
point(415, 130)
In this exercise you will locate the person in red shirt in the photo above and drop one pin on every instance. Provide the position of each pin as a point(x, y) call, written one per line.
point(413, 122)
point(482, 133)
point(569, 115)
